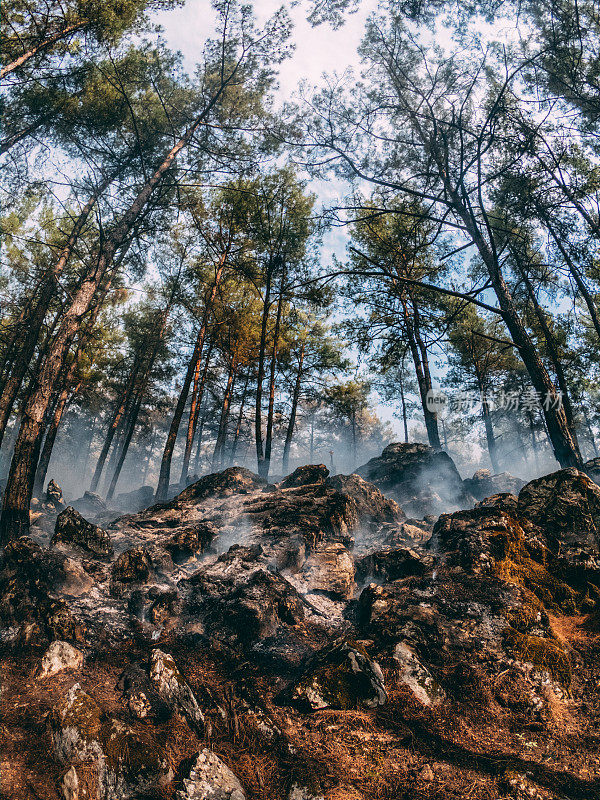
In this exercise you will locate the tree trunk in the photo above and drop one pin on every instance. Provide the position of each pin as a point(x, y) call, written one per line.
point(581, 285)
point(260, 454)
point(56, 37)
point(238, 426)
point(131, 423)
point(423, 381)
point(66, 396)
point(404, 411)
point(292, 420)
point(565, 449)
point(197, 395)
point(271, 409)
point(553, 353)
point(217, 459)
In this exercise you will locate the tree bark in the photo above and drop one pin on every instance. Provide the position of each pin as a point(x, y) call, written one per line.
point(118, 412)
point(238, 426)
point(217, 459)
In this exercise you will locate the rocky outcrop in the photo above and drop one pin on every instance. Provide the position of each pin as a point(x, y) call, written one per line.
point(73, 530)
point(422, 480)
point(173, 689)
point(320, 642)
point(484, 483)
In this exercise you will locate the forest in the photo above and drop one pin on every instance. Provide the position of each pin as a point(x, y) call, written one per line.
point(200, 270)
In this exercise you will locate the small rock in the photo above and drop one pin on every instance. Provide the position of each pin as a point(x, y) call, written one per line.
point(72, 529)
point(210, 779)
point(132, 566)
point(54, 495)
point(341, 676)
point(417, 677)
point(68, 785)
point(302, 793)
point(60, 656)
point(139, 705)
point(173, 689)
point(426, 774)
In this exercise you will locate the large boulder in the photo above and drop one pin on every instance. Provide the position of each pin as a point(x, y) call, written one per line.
point(221, 484)
point(173, 689)
point(135, 500)
point(90, 504)
point(422, 480)
point(566, 506)
point(484, 484)
point(73, 530)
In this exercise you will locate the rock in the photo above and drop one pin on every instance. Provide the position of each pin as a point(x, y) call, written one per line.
point(222, 484)
point(190, 540)
point(173, 689)
point(302, 793)
point(90, 504)
point(566, 505)
point(422, 480)
point(60, 656)
point(389, 565)
point(330, 569)
point(413, 674)
point(128, 762)
point(426, 774)
point(302, 476)
point(132, 566)
point(210, 779)
point(483, 484)
point(340, 676)
point(136, 500)
point(68, 785)
point(138, 704)
point(75, 727)
point(29, 578)
point(54, 495)
point(72, 529)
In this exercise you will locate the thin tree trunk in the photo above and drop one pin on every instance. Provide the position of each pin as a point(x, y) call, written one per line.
point(217, 459)
point(118, 412)
point(404, 412)
point(240, 418)
point(550, 340)
point(131, 423)
point(197, 395)
point(65, 397)
point(581, 285)
point(271, 408)
point(260, 454)
point(424, 384)
point(289, 435)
